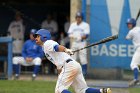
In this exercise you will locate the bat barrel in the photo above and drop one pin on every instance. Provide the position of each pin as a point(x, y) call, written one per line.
point(99, 42)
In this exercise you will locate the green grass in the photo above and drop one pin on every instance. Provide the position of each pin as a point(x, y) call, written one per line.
point(134, 90)
point(27, 86)
point(128, 72)
point(11, 86)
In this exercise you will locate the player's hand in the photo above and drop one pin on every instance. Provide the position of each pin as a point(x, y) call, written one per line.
point(28, 59)
point(59, 71)
point(75, 38)
point(68, 51)
point(72, 37)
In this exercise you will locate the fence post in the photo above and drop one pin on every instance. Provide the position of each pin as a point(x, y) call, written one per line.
point(8, 40)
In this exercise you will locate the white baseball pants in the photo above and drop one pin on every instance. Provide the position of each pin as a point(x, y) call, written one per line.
point(71, 75)
point(22, 61)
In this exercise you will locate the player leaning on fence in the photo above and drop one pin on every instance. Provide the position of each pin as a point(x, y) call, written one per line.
point(71, 72)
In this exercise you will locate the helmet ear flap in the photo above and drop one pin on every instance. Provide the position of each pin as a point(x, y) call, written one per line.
point(43, 38)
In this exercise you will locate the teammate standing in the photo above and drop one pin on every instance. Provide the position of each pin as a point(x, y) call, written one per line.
point(70, 70)
point(50, 24)
point(79, 32)
point(31, 55)
point(134, 35)
point(16, 30)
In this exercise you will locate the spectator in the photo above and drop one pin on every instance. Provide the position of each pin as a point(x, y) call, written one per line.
point(31, 55)
point(16, 30)
point(79, 32)
point(50, 25)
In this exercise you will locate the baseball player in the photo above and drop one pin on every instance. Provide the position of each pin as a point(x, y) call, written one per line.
point(70, 70)
point(31, 55)
point(16, 31)
point(79, 32)
point(134, 35)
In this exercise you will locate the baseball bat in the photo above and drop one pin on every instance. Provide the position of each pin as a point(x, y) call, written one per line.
point(138, 15)
point(108, 39)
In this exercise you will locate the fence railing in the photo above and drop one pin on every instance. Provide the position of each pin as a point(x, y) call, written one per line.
point(8, 59)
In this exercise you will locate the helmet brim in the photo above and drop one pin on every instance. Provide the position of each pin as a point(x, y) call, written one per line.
point(35, 35)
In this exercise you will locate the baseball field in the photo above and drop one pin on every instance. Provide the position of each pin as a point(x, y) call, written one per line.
point(21, 86)
point(12, 86)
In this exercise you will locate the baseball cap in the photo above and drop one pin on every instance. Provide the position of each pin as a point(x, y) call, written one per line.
point(33, 31)
point(79, 14)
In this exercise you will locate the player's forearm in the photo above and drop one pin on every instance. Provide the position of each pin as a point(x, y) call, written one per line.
point(128, 38)
point(61, 48)
point(84, 37)
point(59, 71)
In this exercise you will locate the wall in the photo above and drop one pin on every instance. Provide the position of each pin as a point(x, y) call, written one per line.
point(107, 18)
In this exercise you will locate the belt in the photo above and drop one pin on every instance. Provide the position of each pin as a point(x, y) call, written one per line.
point(68, 60)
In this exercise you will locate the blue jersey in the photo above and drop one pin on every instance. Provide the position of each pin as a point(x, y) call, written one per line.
point(31, 49)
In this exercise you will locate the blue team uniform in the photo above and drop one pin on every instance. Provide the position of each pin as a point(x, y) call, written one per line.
point(31, 49)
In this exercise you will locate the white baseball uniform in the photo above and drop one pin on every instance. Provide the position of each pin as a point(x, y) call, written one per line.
point(77, 31)
point(134, 35)
point(71, 73)
point(16, 30)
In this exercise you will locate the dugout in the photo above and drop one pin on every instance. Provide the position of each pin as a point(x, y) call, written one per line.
point(34, 12)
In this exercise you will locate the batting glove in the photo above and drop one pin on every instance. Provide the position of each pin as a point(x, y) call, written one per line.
point(68, 51)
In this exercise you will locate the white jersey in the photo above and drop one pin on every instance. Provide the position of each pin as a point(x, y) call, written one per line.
point(79, 30)
point(16, 29)
point(57, 58)
point(52, 26)
point(134, 35)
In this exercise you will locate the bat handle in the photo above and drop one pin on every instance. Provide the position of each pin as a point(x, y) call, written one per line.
point(77, 50)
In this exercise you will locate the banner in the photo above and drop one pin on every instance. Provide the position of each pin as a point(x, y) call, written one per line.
point(107, 18)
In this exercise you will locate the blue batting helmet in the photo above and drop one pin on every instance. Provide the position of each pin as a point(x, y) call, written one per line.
point(79, 14)
point(44, 34)
point(131, 21)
